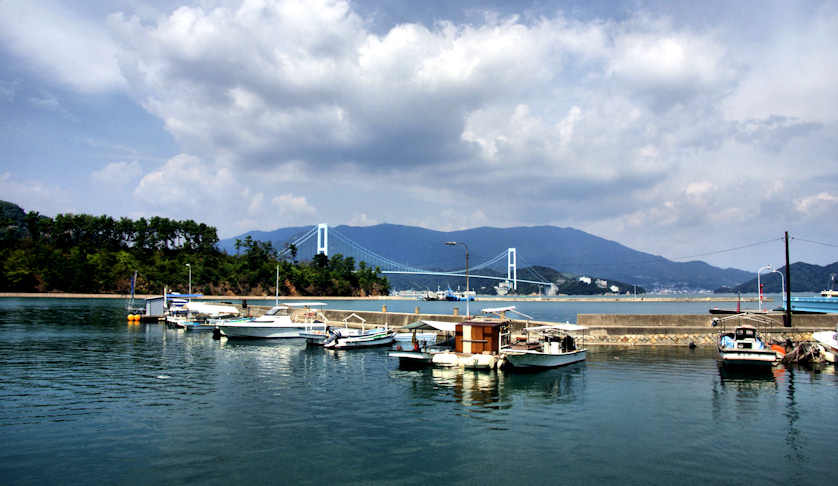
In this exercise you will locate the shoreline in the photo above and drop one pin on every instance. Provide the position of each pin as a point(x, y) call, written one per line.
point(492, 298)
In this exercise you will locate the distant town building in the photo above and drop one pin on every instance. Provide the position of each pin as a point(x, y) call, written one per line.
point(587, 280)
point(601, 283)
point(614, 289)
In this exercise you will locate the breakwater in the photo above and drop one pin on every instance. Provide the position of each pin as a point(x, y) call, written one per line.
point(609, 329)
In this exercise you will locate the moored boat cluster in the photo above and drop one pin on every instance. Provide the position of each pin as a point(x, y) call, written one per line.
point(483, 342)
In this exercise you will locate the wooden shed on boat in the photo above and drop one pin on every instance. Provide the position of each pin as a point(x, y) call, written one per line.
point(478, 336)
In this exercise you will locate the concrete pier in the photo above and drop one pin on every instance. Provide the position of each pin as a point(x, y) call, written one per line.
point(615, 329)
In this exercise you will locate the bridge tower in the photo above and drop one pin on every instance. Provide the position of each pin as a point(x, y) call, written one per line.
point(323, 239)
point(512, 267)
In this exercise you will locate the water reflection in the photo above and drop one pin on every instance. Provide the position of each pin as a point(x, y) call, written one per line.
point(471, 388)
point(792, 415)
point(482, 391)
point(743, 378)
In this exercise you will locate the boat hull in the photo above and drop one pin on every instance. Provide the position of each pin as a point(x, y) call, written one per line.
point(361, 341)
point(412, 359)
point(748, 357)
point(465, 360)
point(538, 359)
point(829, 341)
point(250, 331)
point(824, 305)
point(199, 327)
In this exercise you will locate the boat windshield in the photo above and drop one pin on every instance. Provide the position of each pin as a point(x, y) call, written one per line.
point(745, 333)
point(277, 311)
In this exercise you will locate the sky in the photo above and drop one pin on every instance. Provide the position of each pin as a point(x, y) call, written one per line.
point(691, 130)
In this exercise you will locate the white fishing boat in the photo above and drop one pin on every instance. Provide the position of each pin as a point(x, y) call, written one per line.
point(211, 310)
point(829, 341)
point(346, 338)
point(476, 342)
point(317, 332)
point(196, 316)
point(744, 346)
point(277, 323)
point(547, 346)
point(422, 342)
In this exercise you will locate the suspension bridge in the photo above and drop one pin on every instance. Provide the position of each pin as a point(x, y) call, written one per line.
point(317, 240)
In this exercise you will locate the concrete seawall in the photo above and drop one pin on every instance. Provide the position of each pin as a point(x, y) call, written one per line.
point(614, 329)
point(683, 329)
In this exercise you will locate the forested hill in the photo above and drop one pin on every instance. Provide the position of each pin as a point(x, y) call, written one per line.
point(91, 254)
point(564, 249)
point(805, 277)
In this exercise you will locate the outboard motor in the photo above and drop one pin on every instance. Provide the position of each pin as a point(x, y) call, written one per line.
point(333, 336)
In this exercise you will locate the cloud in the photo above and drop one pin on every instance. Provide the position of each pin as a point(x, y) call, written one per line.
point(363, 219)
point(792, 72)
point(59, 44)
point(821, 204)
point(185, 181)
point(118, 174)
point(289, 204)
point(8, 90)
point(187, 186)
point(46, 102)
point(655, 128)
point(34, 195)
point(667, 68)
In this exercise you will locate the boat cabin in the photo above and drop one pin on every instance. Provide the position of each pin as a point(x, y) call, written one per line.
point(478, 336)
point(743, 337)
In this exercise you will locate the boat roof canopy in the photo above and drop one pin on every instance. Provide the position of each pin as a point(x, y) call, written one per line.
point(495, 310)
point(500, 310)
point(211, 309)
point(565, 326)
point(436, 325)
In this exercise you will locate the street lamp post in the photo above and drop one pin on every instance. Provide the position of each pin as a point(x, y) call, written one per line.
point(759, 286)
point(782, 286)
point(190, 279)
point(455, 243)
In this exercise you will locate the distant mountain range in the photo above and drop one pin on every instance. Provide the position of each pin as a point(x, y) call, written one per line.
point(566, 250)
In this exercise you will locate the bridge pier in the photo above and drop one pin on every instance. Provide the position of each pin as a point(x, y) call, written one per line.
point(512, 267)
point(323, 239)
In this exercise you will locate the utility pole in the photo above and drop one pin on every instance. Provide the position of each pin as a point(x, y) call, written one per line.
point(787, 320)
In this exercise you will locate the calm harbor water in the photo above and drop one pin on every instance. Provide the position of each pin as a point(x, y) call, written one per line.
point(545, 310)
point(87, 398)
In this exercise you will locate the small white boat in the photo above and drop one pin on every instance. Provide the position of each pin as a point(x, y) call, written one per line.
point(275, 324)
point(744, 346)
point(829, 341)
point(196, 316)
point(366, 338)
point(318, 332)
point(416, 348)
point(546, 347)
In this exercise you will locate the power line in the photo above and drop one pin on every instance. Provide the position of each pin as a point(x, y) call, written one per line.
point(749, 245)
point(815, 242)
